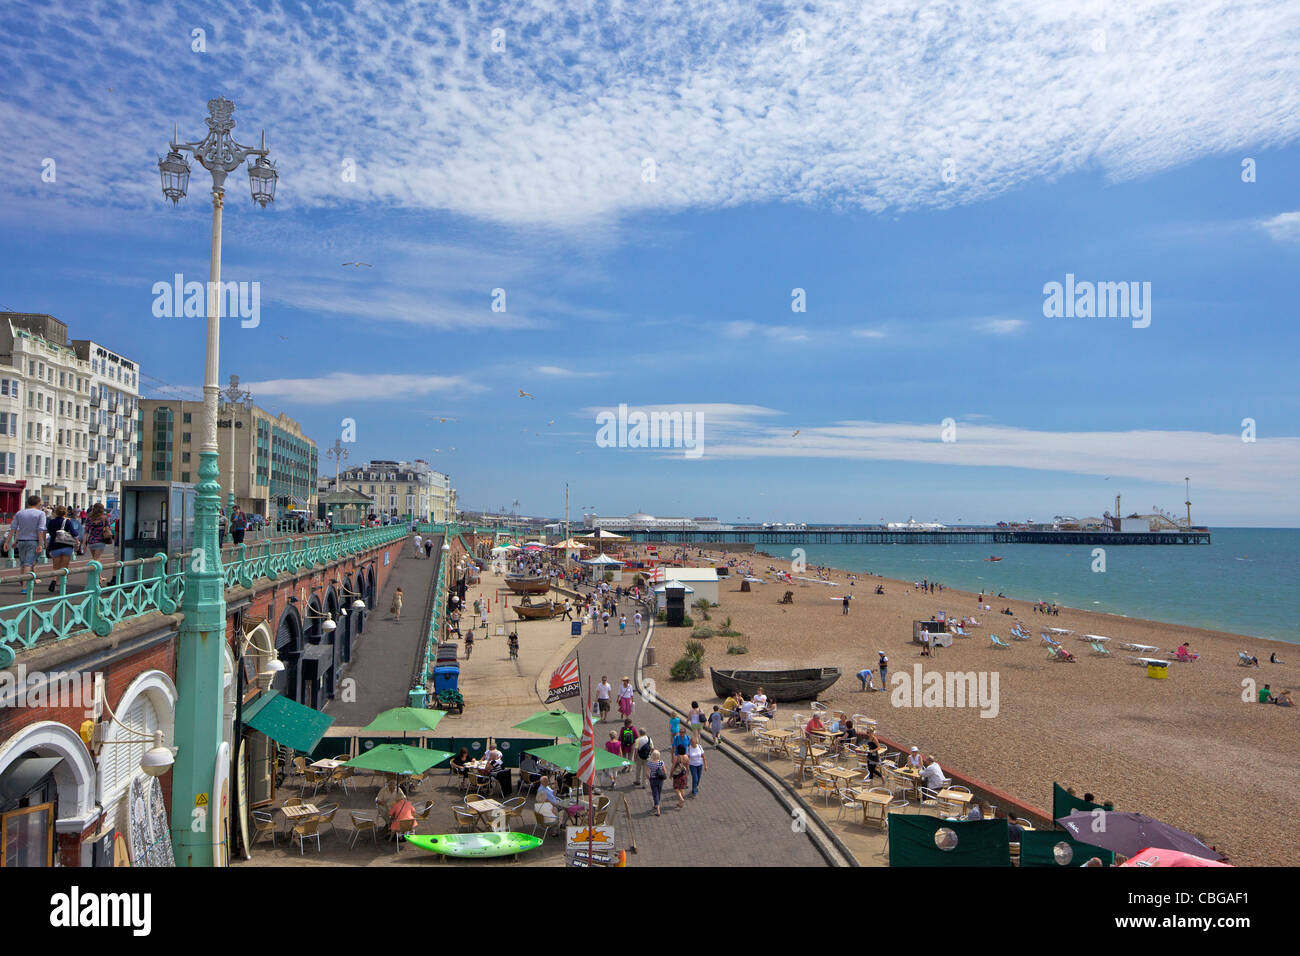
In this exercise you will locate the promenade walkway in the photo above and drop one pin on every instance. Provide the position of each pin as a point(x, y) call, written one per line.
point(382, 664)
point(735, 821)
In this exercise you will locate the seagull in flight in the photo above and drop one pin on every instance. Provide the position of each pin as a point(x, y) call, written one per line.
point(359, 264)
point(523, 394)
point(551, 422)
point(796, 433)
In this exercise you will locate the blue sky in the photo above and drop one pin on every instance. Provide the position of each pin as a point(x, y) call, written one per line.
point(793, 147)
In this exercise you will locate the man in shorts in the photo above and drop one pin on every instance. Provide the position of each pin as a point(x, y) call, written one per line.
point(603, 692)
point(28, 530)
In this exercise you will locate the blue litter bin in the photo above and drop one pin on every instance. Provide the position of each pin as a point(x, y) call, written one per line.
point(446, 678)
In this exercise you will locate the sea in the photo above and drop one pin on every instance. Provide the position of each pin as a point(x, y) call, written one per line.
point(1247, 581)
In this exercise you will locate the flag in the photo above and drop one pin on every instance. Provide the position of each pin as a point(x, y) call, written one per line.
point(564, 682)
point(587, 751)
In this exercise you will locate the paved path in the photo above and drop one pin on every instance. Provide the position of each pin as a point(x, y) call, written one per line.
point(735, 821)
point(382, 661)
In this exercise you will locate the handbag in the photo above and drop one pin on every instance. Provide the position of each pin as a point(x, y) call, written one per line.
point(63, 537)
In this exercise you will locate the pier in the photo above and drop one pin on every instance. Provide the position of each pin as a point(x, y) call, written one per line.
point(760, 538)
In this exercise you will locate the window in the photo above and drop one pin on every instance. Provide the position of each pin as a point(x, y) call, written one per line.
point(185, 476)
point(185, 437)
point(185, 458)
point(186, 418)
point(47, 467)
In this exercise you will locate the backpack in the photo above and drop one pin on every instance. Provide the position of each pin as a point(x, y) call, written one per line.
point(645, 750)
point(629, 732)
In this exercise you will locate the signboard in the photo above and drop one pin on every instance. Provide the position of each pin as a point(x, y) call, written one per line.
point(601, 838)
point(385, 559)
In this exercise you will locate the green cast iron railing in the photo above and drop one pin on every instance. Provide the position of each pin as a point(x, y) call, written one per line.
point(157, 584)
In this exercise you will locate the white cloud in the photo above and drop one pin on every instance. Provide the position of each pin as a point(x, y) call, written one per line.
point(1000, 326)
point(778, 333)
point(870, 333)
point(1222, 462)
point(555, 131)
point(355, 387)
point(558, 372)
point(1284, 227)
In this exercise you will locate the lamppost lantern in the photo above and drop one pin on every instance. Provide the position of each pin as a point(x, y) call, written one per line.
point(175, 174)
point(261, 178)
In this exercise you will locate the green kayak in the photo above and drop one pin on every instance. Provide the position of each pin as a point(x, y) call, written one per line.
point(475, 844)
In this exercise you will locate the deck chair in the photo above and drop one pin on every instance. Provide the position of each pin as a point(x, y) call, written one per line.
point(1048, 642)
point(998, 642)
point(1246, 660)
point(1061, 655)
point(1101, 650)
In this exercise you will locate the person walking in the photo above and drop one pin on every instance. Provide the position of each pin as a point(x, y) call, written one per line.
point(656, 774)
point(642, 747)
point(222, 524)
point(96, 532)
point(428, 547)
point(62, 541)
point(419, 544)
point(846, 604)
point(636, 623)
point(28, 533)
point(627, 739)
point(680, 774)
point(396, 609)
point(238, 525)
point(625, 698)
point(715, 726)
point(603, 692)
point(697, 763)
point(469, 644)
point(884, 671)
point(622, 625)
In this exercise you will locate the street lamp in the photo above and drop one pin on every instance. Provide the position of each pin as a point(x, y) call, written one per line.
point(233, 393)
point(198, 651)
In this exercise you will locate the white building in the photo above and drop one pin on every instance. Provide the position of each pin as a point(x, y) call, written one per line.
point(401, 489)
point(703, 582)
point(45, 401)
point(114, 431)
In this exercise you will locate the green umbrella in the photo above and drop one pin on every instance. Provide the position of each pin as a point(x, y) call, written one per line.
point(553, 723)
point(398, 758)
point(404, 719)
point(565, 756)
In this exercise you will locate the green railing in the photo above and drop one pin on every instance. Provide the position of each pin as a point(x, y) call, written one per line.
point(420, 683)
point(157, 584)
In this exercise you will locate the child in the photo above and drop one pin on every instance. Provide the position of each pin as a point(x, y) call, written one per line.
point(715, 726)
point(622, 625)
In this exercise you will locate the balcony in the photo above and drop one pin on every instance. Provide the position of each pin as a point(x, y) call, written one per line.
point(110, 457)
point(94, 401)
point(93, 427)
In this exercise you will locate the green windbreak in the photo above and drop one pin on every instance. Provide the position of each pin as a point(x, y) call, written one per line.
point(1038, 848)
point(977, 843)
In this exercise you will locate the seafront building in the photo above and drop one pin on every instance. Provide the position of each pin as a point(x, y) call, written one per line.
point(67, 415)
point(640, 521)
point(396, 489)
point(275, 463)
point(113, 453)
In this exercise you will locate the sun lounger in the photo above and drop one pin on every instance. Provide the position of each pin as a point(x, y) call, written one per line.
point(997, 642)
point(1101, 650)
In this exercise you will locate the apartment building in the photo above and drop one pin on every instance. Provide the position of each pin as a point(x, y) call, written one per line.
point(114, 435)
point(401, 489)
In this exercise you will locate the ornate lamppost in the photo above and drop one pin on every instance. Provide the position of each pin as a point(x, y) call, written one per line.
point(203, 631)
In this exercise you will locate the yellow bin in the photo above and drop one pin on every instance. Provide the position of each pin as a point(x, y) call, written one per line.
point(1158, 671)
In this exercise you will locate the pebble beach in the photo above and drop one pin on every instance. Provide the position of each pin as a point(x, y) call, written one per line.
point(1188, 750)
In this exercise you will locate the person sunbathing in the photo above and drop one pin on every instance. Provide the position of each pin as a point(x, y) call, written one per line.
point(1065, 655)
point(1283, 699)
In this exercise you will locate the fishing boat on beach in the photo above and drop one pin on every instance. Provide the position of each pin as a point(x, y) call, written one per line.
point(536, 612)
point(528, 585)
point(787, 685)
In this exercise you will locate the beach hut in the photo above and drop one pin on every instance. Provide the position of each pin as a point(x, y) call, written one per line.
point(661, 595)
point(703, 581)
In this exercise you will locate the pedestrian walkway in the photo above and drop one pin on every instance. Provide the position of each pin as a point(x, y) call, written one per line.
point(735, 821)
point(384, 657)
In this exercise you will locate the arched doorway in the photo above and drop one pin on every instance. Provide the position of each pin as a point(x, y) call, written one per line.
point(288, 647)
point(347, 626)
point(47, 787)
point(336, 637)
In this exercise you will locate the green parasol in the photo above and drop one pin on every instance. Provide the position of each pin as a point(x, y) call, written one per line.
point(404, 719)
point(553, 723)
point(399, 758)
point(565, 756)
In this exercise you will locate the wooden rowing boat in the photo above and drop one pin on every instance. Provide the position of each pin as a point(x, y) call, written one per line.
point(537, 585)
point(536, 612)
point(790, 685)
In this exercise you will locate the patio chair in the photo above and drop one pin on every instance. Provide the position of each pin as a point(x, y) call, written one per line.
point(422, 809)
point(514, 811)
point(326, 814)
point(848, 801)
point(545, 825)
point(824, 785)
point(466, 819)
point(932, 800)
point(315, 779)
point(362, 822)
point(264, 822)
point(306, 829)
point(400, 830)
point(341, 776)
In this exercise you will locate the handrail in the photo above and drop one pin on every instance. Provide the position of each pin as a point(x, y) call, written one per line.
point(157, 584)
point(420, 681)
